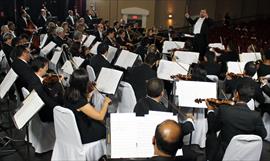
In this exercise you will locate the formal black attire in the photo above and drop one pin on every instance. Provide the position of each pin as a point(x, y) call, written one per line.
point(231, 85)
point(7, 50)
point(69, 21)
point(265, 107)
point(25, 74)
point(137, 77)
point(263, 70)
point(59, 41)
point(90, 130)
point(99, 37)
point(89, 22)
point(41, 22)
point(142, 51)
point(46, 112)
point(232, 121)
point(21, 25)
point(212, 68)
point(200, 41)
point(111, 43)
point(97, 62)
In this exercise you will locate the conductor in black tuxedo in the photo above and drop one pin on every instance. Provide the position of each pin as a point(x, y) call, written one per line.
point(201, 27)
point(231, 121)
point(137, 76)
point(100, 60)
point(40, 67)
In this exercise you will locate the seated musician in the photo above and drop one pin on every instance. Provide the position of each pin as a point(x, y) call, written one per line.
point(110, 38)
point(37, 83)
point(89, 120)
point(121, 40)
point(249, 71)
point(211, 65)
point(232, 121)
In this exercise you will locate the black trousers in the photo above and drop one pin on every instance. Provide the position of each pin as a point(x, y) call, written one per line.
point(200, 44)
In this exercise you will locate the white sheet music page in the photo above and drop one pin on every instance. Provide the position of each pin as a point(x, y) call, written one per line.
point(89, 40)
point(67, 67)
point(246, 57)
point(238, 68)
point(56, 55)
point(187, 57)
point(48, 48)
point(216, 45)
point(188, 91)
point(111, 53)
point(31, 105)
point(169, 45)
point(123, 135)
point(7, 82)
point(168, 68)
point(78, 61)
point(83, 38)
point(45, 37)
point(108, 80)
point(93, 50)
point(126, 59)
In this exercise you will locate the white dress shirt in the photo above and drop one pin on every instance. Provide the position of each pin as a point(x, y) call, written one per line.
point(198, 26)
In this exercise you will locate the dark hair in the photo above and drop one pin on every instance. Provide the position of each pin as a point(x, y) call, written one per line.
point(164, 145)
point(115, 23)
point(246, 89)
point(38, 63)
point(110, 30)
point(250, 68)
point(198, 73)
point(150, 58)
point(78, 85)
point(154, 87)
point(102, 48)
point(20, 49)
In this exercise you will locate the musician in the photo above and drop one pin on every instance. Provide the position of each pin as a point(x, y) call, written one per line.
point(22, 68)
point(7, 46)
point(142, 48)
point(249, 71)
point(210, 64)
point(124, 44)
point(40, 67)
point(137, 76)
point(89, 121)
point(100, 33)
point(42, 20)
point(264, 68)
point(12, 28)
point(116, 27)
point(60, 36)
point(71, 19)
point(25, 24)
point(100, 60)
point(231, 121)
point(51, 32)
point(76, 46)
point(89, 19)
point(110, 38)
point(201, 26)
point(129, 33)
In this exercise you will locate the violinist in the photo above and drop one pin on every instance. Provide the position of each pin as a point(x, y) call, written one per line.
point(232, 120)
point(40, 67)
point(110, 38)
point(42, 20)
point(89, 120)
point(121, 40)
point(249, 71)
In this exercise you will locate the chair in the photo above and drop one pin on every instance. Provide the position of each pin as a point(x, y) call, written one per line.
point(244, 147)
point(91, 73)
point(266, 121)
point(124, 100)
point(68, 145)
point(41, 134)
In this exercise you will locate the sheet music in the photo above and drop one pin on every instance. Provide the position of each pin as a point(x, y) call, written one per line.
point(169, 45)
point(56, 55)
point(43, 41)
point(131, 137)
point(67, 67)
point(216, 45)
point(2, 55)
point(89, 40)
point(31, 105)
point(246, 57)
point(108, 80)
point(168, 68)
point(83, 38)
point(7, 82)
point(94, 48)
point(48, 48)
point(187, 57)
point(238, 68)
point(126, 59)
point(188, 91)
point(111, 53)
point(78, 61)
point(123, 135)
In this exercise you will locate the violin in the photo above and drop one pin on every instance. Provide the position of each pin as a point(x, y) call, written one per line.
point(181, 77)
point(234, 76)
point(216, 101)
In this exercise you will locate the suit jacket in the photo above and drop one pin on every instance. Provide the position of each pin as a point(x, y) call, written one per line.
point(232, 121)
point(21, 25)
point(97, 62)
point(41, 22)
point(46, 112)
point(98, 38)
point(7, 50)
point(89, 22)
point(207, 23)
point(137, 77)
point(69, 21)
point(25, 74)
point(212, 69)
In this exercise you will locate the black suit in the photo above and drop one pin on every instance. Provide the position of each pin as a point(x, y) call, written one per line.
point(7, 50)
point(21, 25)
point(46, 112)
point(41, 22)
point(97, 62)
point(89, 22)
point(212, 69)
point(231, 121)
point(137, 77)
point(200, 42)
point(98, 37)
point(25, 74)
point(69, 21)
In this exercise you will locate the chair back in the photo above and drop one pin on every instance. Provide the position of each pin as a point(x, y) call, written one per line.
point(244, 147)
point(91, 73)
